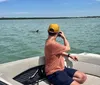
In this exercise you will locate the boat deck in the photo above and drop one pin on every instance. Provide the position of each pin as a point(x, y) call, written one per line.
point(90, 80)
point(88, 63)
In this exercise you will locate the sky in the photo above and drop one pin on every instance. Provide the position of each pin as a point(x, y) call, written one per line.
point(49, 8)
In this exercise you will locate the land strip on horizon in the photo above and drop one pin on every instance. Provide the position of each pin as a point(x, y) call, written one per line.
point(11, 18)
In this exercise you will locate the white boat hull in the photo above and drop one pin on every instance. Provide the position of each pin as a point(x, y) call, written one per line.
point(88, 63)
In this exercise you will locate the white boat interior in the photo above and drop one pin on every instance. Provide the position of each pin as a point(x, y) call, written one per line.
point(17, 72)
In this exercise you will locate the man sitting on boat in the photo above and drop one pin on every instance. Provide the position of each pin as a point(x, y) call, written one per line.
point(56, 72)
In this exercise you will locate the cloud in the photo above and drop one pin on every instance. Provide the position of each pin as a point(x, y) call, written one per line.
point(3, 1)
point(97, 0)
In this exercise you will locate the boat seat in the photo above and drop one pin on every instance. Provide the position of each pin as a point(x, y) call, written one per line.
point(91, 80)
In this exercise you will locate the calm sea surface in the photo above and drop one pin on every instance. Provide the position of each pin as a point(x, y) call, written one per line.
point(18, 39)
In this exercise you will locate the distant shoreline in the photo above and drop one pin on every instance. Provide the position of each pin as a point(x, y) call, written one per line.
point(19, 18)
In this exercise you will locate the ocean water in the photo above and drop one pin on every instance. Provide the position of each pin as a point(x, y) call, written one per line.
point(18, 39)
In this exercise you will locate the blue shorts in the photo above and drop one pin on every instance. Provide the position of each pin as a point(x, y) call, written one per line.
point(62, 77)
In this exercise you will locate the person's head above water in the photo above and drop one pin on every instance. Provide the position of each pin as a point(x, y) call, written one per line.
point(53, 29)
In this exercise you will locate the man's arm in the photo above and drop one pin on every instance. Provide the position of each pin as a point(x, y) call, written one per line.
point(66, 43)
point(70, 56)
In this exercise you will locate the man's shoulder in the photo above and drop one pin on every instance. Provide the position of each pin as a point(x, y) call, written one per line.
point(51, 44)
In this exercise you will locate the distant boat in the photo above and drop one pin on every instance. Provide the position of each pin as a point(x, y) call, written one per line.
point(30, 71)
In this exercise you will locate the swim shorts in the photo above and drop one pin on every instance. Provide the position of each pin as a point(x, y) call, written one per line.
point(62, 77)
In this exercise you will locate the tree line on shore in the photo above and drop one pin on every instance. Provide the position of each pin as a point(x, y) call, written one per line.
point(11, 18)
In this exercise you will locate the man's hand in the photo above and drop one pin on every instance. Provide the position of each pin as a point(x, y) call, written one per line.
point(74, 58)
point(62, 35)
point(70, 56)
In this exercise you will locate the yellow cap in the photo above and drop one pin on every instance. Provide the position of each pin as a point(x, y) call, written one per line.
point(53, 28)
